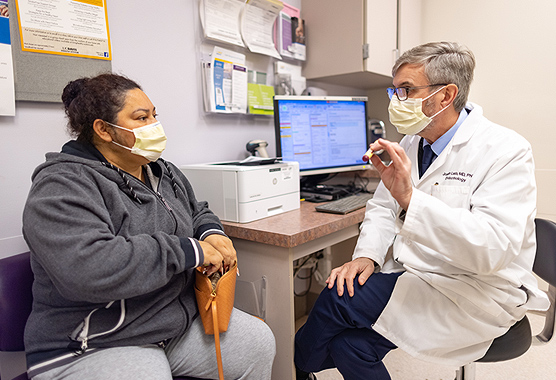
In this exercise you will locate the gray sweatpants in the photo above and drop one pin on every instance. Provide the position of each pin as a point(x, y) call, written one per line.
point(248, 350)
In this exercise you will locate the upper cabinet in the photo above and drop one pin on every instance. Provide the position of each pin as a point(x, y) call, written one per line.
point(355, 43)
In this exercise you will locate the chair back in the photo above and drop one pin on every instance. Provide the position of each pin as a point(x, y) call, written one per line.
point(16, 298)
point(519, 335)
point(545, 260)
point(545, 268)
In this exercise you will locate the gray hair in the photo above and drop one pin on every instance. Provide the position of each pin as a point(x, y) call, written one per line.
point(444, 62)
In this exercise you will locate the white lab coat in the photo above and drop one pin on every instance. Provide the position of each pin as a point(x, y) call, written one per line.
point(467, 245)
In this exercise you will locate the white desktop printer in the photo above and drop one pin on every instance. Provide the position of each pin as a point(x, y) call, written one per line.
point(244, 193)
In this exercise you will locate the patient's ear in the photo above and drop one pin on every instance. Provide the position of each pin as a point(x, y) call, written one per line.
point(101, 129)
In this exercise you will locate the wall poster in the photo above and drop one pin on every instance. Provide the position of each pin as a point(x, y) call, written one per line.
point(67, 27)
point(7, 93)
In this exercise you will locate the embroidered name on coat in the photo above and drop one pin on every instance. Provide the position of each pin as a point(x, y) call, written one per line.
point(457, 176)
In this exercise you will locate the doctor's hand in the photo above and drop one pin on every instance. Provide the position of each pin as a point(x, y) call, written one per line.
point(396, 176)
point(224, 246)
point(362, 266)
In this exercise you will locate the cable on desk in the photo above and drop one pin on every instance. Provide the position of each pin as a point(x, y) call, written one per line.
point(352, 187)
point(364, 182)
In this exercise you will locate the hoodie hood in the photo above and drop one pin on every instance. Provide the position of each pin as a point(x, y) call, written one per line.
point(73, 152)
point(83, 150)
point(87, 154)
point(77, 153)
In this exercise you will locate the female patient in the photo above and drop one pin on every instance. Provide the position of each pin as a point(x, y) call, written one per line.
point(115, 233)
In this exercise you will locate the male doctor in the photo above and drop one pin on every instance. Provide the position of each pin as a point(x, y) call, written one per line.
point(457, 203)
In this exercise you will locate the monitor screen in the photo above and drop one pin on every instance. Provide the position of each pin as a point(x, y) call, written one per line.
point(325, 134)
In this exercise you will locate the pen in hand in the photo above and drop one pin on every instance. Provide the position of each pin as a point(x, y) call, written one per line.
point(368, 155)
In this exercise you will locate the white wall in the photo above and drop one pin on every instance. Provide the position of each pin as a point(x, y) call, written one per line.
point(159, 46)
point(514, 43)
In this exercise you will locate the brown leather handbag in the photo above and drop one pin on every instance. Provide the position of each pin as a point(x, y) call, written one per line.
point(215, 299)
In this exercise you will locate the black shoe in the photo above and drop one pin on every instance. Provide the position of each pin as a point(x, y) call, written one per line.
point(302, 375)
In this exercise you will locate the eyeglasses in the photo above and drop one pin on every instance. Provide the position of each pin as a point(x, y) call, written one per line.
point(403, 92)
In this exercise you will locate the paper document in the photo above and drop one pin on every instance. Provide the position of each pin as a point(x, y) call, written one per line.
point(297, 47)
point(206, 77)
point(67, 27)
point(284, 35)
point(225, 82)
point(257, 25)
point(284, 30)
point(239, 89)
point(7, 94)
point(261, 99)
point(220, 20)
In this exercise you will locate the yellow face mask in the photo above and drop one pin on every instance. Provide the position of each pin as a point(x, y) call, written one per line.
point(407, 116)
point(150, 140)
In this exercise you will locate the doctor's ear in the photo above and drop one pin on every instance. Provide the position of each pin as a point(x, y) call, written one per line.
point(101, 129)
point(450, 93)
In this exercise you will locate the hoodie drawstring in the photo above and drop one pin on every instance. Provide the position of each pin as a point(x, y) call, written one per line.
point(125, 179)
point(171, 175)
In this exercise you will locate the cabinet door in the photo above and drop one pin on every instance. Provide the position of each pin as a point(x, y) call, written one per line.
point(381, 35)
point(409, 24)
point(334, 30)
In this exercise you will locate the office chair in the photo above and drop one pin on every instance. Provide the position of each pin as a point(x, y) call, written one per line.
point(16, 298)
point(518, 339)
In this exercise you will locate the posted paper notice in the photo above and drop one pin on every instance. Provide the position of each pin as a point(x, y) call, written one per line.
point(220, 20)
point(7, 105)
point(257, 22)
point(67, 27)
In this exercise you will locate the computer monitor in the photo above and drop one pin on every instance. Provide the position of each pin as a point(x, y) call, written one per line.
point(325, 134)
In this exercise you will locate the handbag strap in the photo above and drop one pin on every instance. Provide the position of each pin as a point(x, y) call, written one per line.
point(217, 340)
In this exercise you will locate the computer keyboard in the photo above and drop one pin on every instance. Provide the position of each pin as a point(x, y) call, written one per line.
point(345, 205)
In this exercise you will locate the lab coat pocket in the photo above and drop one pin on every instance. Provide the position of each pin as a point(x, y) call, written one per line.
point(453, 196)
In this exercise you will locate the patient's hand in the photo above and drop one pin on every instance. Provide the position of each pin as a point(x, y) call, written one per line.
point(362, 266)
point(224, 246)
point(213, 259)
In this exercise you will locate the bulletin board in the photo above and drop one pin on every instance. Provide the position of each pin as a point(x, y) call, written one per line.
point(42, 77)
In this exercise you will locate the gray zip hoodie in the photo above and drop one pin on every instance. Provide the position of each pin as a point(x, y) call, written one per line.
point(113, 257)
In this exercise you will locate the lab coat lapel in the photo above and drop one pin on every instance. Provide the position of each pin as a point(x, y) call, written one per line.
point(413, 154)
point(462, 136)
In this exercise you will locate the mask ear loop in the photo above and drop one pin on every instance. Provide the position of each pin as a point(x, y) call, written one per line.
point(434, 93)
point(123, 146)
point(125, 129)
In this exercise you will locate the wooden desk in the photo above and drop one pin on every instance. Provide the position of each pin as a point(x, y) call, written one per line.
point(268, 247)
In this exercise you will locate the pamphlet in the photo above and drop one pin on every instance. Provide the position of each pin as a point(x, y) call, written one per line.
point(298, 39)
point(261, 99)
point(225, 82)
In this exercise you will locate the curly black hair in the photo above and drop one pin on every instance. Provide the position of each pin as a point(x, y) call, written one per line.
point(88, 99)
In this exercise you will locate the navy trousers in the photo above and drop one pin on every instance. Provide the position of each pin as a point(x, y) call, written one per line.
point(339, 334)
